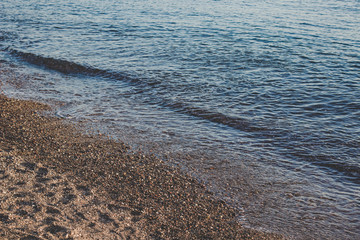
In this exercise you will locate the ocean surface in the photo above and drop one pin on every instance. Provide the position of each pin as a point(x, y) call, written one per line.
point(260, 100)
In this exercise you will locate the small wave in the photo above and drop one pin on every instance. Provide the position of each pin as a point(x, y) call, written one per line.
point(216, 117)
point(64, 66)
point(351, 171)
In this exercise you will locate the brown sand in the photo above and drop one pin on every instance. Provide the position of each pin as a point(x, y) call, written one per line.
point(58, 183)
point(38, 202)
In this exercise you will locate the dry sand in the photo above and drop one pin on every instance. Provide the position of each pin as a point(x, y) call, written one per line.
point(56, 182)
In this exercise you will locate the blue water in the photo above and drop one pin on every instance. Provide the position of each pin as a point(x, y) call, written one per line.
point(259, 99)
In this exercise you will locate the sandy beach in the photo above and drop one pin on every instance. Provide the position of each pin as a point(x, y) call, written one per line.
point(56, 182)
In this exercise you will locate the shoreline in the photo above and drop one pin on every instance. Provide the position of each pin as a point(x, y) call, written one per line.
point(158, 201)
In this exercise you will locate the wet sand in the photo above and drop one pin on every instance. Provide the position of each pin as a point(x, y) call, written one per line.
point(57, 182)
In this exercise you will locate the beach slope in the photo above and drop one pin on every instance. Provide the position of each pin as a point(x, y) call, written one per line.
point(56, 182)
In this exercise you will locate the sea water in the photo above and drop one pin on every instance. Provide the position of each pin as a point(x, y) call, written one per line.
point(260, 100)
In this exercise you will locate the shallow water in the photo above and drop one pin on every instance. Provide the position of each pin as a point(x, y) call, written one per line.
point(258, 99)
